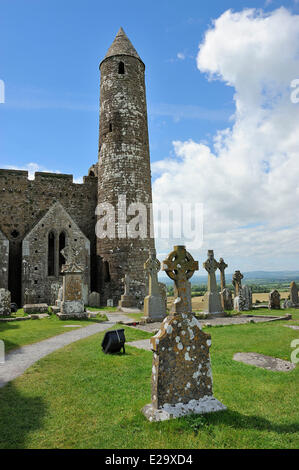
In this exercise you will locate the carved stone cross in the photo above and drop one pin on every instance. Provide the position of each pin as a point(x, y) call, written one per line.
point(294, 293)
point(126, 282)
point(181, 373)
point(152, 267)
point(237, 282)
point(72, 256)
point(211, 266)
point(180, 267)
point(222, 268)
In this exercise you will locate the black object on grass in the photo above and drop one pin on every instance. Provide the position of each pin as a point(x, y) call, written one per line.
point(114, 341)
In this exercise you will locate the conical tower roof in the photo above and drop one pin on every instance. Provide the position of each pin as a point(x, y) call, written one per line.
point(122, 46)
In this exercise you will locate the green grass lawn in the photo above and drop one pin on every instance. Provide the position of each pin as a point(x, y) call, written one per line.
point(19, 333)
point(19, 313)
point(101, 309)
point(275, 313)
point(135, 316)
point(78, 397)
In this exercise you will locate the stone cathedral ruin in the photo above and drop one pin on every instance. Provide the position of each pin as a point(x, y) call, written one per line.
point(39, 218)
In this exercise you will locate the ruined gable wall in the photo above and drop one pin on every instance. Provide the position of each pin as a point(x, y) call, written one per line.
point(37, 284)
point(23, 202)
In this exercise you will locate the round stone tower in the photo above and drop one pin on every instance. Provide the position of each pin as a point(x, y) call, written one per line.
point(124, 175)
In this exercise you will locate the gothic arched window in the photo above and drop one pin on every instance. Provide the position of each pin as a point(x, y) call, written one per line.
point(61, 246)
point(51, 254)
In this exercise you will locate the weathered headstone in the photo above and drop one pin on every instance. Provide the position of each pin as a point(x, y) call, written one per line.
point(72, 304)
point(127, 300)
point(85, 293)
point(287, 303)
point(294, 294)
point(239, 300)
point(247, 295)
point(222, 267)
point(181, 372)
point(94, 299)
point(243, 301)
point(163, 293)
point(225, 294)
point(227, 299)
point(154, 304)
point(212, 300)
point(5, 301)
point(55, 286)
point(274, 300)
point(109, 302)
point(60, 297)
point(29, 296)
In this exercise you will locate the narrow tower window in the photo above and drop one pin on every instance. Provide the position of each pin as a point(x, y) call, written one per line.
point(121, 68)
point(51, 254)
point(61, 246)
point(110, 127)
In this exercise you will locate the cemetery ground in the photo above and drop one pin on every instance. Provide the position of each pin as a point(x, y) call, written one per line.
point(78, 397)
point(20, 333)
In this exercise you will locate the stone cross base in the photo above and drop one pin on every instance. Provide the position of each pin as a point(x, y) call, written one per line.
point(238, 304)
point(154, 309)
point(72, 316)
point(212, 305)
point(35, 308)
point(126, 301)
point(243, 302)
point(72, 309)
point(206, 404)
point(55, 309)
point(145, 319)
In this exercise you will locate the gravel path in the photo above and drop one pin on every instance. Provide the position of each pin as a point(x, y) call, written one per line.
point(119, 317)
point(141, 344)
point(19, 360)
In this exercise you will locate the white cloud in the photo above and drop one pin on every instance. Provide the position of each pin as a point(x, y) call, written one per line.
point(249, 180)
point(181, 55)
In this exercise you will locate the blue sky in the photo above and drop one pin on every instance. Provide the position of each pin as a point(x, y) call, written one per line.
point(230, 143)
point(49, 57)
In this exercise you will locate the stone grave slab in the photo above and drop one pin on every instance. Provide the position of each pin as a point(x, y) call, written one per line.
point(265, 362)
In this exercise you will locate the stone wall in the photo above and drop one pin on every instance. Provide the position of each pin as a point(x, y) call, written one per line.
point(24, 202)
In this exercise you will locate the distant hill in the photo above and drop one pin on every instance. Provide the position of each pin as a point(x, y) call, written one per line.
point(262, 277)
